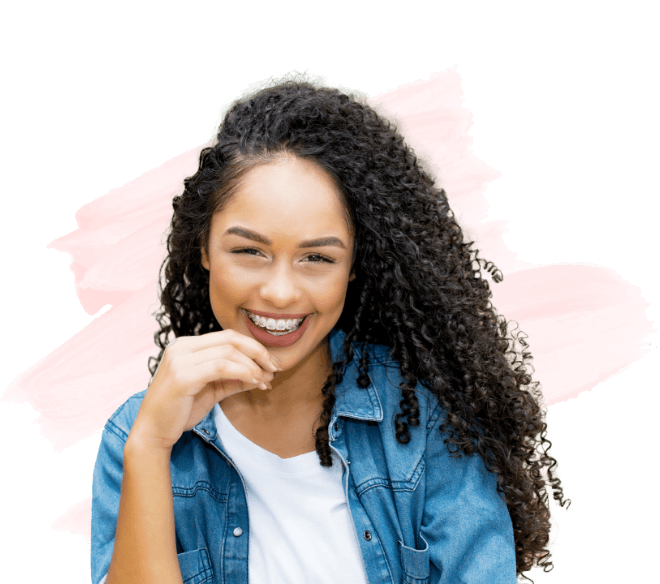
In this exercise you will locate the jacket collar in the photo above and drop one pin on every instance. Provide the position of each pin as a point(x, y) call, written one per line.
point(351, 401)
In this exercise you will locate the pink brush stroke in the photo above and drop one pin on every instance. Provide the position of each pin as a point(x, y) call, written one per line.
point(585, 323)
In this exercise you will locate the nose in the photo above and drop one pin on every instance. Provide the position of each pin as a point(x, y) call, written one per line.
point(280, 288)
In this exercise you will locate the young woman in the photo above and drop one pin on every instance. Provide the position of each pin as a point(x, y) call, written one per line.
point(335, 398)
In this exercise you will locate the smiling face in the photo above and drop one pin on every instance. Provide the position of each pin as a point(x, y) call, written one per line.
point(279, 256)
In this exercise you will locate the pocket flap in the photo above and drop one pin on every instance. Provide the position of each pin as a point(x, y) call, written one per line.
point(195, 566)
point(415, 563)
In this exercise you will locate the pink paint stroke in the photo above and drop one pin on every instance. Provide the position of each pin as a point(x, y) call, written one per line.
point(585, 323)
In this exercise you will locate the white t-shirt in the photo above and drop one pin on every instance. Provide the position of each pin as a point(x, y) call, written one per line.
point(301, 530)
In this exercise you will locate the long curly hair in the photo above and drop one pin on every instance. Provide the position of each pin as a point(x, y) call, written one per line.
point(419, 289)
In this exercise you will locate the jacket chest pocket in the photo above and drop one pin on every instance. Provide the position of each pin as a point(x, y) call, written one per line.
point(415, 563)
point(195, 566)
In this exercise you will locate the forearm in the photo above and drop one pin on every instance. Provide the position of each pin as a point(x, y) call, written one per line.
point(145, 542)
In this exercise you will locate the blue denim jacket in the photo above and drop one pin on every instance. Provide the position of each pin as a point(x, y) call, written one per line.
point(420, 515)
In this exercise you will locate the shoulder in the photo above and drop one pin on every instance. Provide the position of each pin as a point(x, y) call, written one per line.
point(121, 421)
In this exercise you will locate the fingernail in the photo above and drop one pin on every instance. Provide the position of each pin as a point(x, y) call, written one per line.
point(262, 385)
point(276, 362)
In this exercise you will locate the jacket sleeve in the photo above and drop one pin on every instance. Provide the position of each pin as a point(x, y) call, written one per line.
point(466, 524)
point(106, 488)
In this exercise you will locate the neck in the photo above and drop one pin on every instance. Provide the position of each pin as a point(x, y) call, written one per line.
point(294, 388)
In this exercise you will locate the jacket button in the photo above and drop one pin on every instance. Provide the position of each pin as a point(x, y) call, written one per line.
point(205, 431)
point(367, 535)
point(238, 532)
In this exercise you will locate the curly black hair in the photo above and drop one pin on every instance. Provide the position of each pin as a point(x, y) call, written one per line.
point(419, 288)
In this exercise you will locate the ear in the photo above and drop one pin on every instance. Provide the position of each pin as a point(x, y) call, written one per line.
point(205, 260)
point(351, 277)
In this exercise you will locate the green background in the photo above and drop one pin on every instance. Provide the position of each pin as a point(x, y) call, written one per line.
point(564, 100)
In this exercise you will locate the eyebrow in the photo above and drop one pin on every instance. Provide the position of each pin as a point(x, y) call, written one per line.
point(254, 236)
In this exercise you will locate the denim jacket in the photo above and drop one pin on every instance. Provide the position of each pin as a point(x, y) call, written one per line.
point(421, 516)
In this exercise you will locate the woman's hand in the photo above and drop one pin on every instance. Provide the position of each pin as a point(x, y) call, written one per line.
point(194, 374)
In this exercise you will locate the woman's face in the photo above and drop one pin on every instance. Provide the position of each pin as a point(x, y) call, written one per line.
point(279, 257)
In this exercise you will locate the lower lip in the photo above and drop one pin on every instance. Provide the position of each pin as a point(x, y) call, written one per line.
point(280, 341)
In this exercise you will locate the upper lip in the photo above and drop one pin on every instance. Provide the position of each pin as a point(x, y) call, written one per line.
point(273, 315)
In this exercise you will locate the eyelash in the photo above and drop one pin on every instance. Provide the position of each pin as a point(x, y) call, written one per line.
point(249, 250)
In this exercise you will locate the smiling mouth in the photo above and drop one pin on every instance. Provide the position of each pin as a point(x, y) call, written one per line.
point(275, 327)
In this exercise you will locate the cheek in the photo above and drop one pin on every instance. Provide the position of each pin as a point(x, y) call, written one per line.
point(331, 295)
point(226, 284)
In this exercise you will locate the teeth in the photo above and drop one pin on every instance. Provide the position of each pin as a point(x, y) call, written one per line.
point(276, 327)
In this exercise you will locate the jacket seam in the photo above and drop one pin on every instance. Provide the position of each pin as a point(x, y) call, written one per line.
point(434, 416)
point(398, 486)
point(206, 575)
point(116, 430)
point(200, 486)
point(111, 421)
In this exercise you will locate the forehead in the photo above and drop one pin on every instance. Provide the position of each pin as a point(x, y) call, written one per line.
point(289, 194)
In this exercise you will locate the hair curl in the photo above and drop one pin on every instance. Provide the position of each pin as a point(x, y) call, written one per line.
point(418, 290)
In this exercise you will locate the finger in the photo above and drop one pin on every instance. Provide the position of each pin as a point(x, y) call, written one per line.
point(247, 345)
point(231, 353)
point(222, 390)
point(224, 370)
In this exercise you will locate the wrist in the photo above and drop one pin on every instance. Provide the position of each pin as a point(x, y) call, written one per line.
point(141, 444)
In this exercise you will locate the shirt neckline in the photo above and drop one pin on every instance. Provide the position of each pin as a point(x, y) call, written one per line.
point(255, 454)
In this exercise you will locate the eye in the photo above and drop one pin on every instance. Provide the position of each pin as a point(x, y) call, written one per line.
point(247, 251)
point(318, 258)
point(312, 258)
